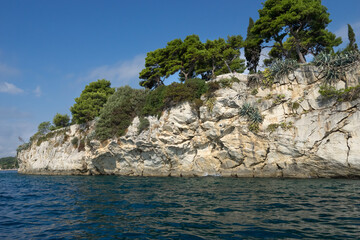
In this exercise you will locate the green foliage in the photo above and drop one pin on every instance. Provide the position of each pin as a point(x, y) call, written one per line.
point(279, 98)
point(352, 41)
point(81, 145)
point(191, 58)
point(335, 66)
point(294, 105)
point(267, 79)
point(154, 102)
point(252, 48)
point(296, 27)
point(75, 141)
point(143, 124)
point(284, 125)
point(60, 120)
point(91, 100)
point(227, 82)
point(281, 68)
point(119, 111)
point(44, 128)
point(212, 88)
point(254, 91)
point(210, 103)
point(346, 94)
point(24, 146)
point(9, 163)
point(252, 115)
point(182, 92)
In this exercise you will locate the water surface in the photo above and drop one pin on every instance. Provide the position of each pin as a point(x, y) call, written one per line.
point(105, 207)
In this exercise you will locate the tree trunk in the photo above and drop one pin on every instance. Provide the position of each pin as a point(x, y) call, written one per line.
point(301, 57)
point(227, 65)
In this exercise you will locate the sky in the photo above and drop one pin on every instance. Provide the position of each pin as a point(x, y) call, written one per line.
point(50, 50)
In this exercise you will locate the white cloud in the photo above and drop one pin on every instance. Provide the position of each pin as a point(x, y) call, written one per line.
point(8, 71)
point(6, 87)
point(343, 32)
point(121, 73)
point(37, 91)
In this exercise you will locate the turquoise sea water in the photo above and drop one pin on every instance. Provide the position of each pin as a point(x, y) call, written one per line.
point(108, 207)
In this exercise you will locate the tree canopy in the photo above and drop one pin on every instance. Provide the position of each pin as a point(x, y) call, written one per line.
point(352, 41)
point(61, 120)
point(191, 58)
point(299, 22)
point(252, 48)
point(91, 100)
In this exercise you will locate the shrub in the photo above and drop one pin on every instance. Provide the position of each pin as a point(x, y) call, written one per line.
point(252, 115)
point(254, 91)
point(346, 94)
point(281, 68)
point(91, 100)
point(284, 125)
point(279, 98)
point(267, 79)
point(44, 128)
point(154, 102)
point(212, 88)
point(61, 120)
point(335, 66)
point(75, 141)
point(81, 145)
point(210, 103)
point(188, 91)
point(24, 146)
point(143, 124)
point(119, 111)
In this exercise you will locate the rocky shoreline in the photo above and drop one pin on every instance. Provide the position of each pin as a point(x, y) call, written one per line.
point(302, 136)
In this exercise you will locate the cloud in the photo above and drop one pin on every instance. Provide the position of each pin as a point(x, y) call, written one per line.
point(6, 87)
point(37, 91)
point(121, 73)
point(343, 32)
point(8, 71)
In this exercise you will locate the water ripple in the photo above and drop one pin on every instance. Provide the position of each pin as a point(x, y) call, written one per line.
point(106, 207)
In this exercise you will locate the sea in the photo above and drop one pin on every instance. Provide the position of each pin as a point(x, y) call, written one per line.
point(121, 207)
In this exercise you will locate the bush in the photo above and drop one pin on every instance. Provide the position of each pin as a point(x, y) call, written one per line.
point(252, 115)
point(335, 66)
point(281, 68)
point(24, 146)
point(182, 92)
point(75, 141)
point(81, 145)
point(91, 100)
point(44, 128)
point(119, 111)
point(154, 102)
point(346, 94)
point(61, 120)
point(143, 124)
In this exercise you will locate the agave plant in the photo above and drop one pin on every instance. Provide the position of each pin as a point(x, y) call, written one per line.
point(256, 117)
point(246, 110)
point(283, 67)
point(334, 66)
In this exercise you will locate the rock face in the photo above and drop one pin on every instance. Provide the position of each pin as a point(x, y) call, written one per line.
point(302, 136)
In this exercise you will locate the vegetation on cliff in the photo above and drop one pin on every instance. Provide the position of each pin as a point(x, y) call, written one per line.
point(9, 163)
point(292, 29)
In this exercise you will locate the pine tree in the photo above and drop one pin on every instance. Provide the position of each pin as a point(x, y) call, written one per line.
point(252, 48)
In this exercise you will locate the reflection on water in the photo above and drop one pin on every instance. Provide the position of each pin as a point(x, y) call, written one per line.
point(184, 208)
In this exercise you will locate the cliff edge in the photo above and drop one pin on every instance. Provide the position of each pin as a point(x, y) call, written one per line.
point(302, 135)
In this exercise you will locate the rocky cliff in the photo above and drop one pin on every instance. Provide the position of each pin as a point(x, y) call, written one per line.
point(302, 136)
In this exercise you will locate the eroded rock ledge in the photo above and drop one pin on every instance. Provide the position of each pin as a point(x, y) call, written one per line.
point(307, 137)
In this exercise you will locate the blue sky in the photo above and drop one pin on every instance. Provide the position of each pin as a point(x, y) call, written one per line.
point(49, 50)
